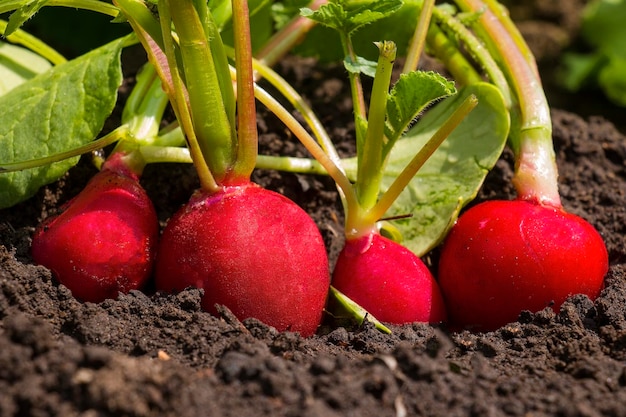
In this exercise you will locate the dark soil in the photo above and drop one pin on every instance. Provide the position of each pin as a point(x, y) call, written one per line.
point(147, 354)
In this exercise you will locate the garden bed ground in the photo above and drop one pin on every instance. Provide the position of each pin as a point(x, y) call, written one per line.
point(153, 355)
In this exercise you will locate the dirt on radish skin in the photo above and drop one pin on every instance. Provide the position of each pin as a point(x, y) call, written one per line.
point(503, 257)
point(104, 241)
point(388, 281)
point(252, 250)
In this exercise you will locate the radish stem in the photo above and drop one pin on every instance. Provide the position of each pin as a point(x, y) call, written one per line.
point(370, 154)
point(179, 103)
point(286, 38)
point(478, 52)
point(247, 136)
point(116, 135)
point(301, 106)
point(210, 105)
point(535, 176)
point(310, 144)
point(416, 46)
point(449, 54)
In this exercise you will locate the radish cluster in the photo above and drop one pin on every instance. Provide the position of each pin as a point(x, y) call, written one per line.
point(261, 255)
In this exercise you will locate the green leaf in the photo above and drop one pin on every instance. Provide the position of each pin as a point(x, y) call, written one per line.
point(453, 174)
point(409, 96)
point(392, 27)
point(21, 15)
point(580, 69)
point(61, 109)
point(18, 65)
point(347, 17)
point(361, 65)
point(603, 26)
point(612, 80)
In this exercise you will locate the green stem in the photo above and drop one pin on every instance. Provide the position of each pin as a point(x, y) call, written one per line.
point(247, 136)
point(356, 87)
point(502, 14)
point(208, 102)
point(93, 5)
point(416, 46)
point(448, 53)
point(536, 173)
point(370, 164)
point(290, 164)
point(141, 20)
point(36, 45)
point(287, 37)
point(145, 106)
point(296, 100)
point(407, 174)
point(174, 154)
point(179, 103)
point(312, 146)
point(478, 51)
point(159, 154)
point(171, 135)
point(115, 136)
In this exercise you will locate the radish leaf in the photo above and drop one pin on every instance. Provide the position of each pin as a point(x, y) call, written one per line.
point(59, 110)
point(603, 29)
point(454, 173)
point(393, 26)
point(348, 20)
point(409, 96)
point(18, 65)
point(21, 15)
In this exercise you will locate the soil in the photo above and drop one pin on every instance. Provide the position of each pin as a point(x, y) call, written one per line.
point(148, 354)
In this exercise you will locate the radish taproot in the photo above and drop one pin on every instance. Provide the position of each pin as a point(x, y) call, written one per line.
point(503, 257)
point(104, 241)
point(388, 281)
point(250, 249)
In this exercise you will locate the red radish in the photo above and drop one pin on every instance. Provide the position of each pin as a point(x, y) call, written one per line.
point(388, 280)
point(503, 257)
point(104, 241)
point(252, 250)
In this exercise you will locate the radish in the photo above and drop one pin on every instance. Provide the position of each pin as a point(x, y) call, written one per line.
point(503, 257)
point(104, 241)
point(388, 280)
point(250, 249)
point(380, 275)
